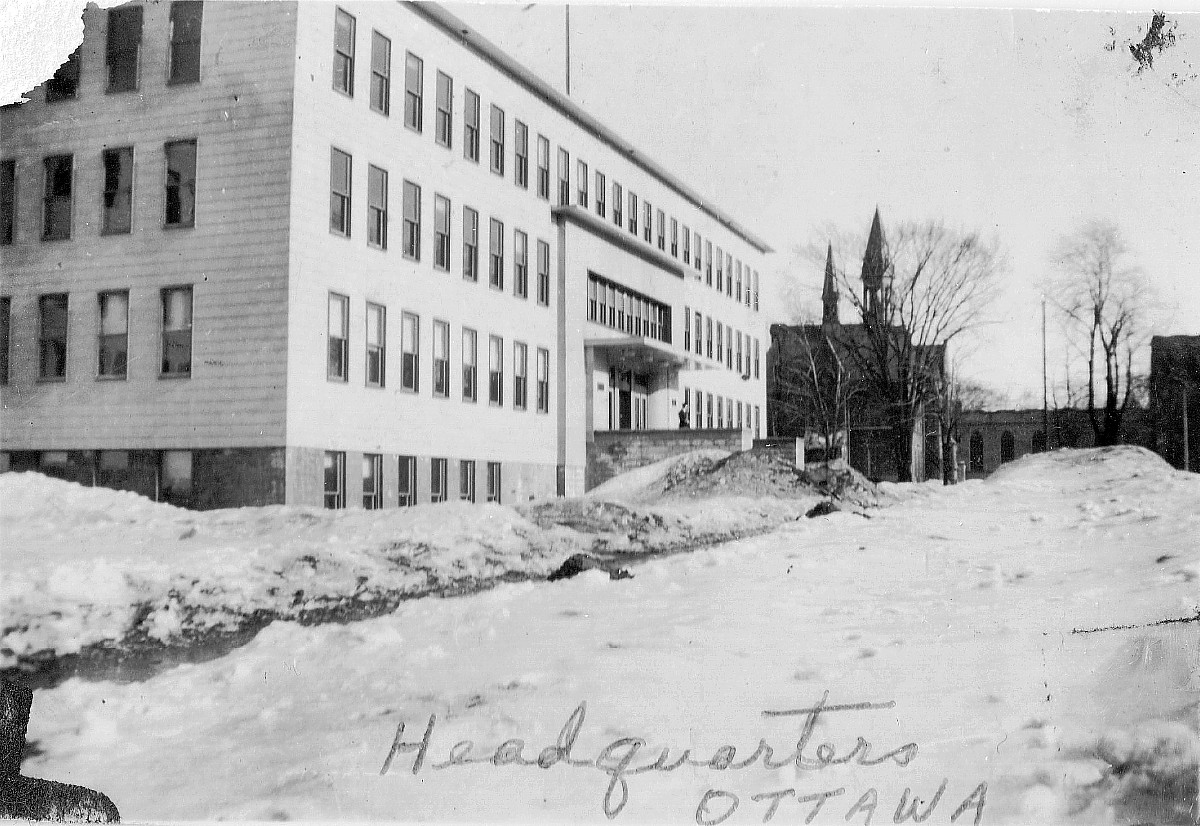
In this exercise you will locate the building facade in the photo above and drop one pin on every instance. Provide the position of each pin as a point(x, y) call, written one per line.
point(349, 254)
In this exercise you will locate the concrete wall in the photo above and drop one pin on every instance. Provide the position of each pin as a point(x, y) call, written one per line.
point(615, 452)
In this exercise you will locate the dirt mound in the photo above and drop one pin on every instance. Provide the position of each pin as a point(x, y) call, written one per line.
point(765, 473)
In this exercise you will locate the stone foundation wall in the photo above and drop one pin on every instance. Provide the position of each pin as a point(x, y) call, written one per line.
point(613, 452)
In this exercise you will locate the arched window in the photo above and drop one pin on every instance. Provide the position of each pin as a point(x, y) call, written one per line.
point(976, 451)
point(1008, 447)
point(1039, 441)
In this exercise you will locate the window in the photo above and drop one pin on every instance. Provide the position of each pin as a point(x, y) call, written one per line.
point(674, 238)
point(339, 335)
point(466, 480)
point(123, 48)
point(471, 127)
point(520, 264)
point(647, 221)
point(175, 477)
point(437, 480)
point(5, 321)
point(543, 170)
point(720, 341)
point(113, 347)
point(581, 175)
point(699, 344)
point(613, 305)
point(687, 245)
point(335, 479)
point(372, 476)
point(343, 53)
point(521, 154)
point(65, 83)
point(728, 273)
point(601, 208)
point(470, 363)
point(444, 128)
point(757, 423)
point(406, 485)
point(739, 352)
point(543, 273)
point(441, 359)
point(617, 200)
point(564, 177)
point(8, 201)
point(687, 330)
point(186, 17)
point(59, 186)
point(52, 336)
point(696, 240)
point(708, 337)
point(720, 405)
point(708, 264)
point(495, 370)
point(708, 410)
point(737, 287)
point(543, 380)
point(493, 482)
point(633, 213)
point(381, 73)
point(376, 345)
point(470, 244)
point(177, 331)
point(377, 207)
point(756, 291)
point(414, 92)
point(181, 184)
point(412, 220)
point(756, 353)
point(118, 190)
point(339, 192)
point(720, 270)
point(662, 230)
point(410, 353)
point(497, 142)
point(496, 255)
point(728, 348)
point(441, 232)
point(520, 375)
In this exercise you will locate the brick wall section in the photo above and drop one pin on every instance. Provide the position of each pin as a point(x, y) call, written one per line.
point(618, 451)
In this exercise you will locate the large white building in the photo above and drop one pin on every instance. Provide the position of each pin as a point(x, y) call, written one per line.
point(303, 252)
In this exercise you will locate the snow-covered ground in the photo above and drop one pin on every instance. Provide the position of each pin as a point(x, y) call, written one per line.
point(953, 613)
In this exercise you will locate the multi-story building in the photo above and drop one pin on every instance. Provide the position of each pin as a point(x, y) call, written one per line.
point(354, 254)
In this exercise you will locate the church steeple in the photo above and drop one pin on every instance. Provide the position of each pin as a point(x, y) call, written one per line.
point(829, 293)
point(875, 275)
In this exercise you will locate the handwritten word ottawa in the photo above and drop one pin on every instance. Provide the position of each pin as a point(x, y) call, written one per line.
point(624, 759)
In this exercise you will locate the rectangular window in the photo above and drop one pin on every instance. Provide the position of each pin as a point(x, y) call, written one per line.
point(699, 338)
point(601, 207)
point(470, 244)
point(496, 255)
point(687, 245)
point(708, 410)
point(756, 291)
point(581, 175)
point(8, 201)
point(118, 190)
point(757, 423)
point(647, 221)
point(708, 337)
point(5, 322)
point(696, 239)
point(739, 351)
point(728, 273)
point(441, 232)
point(493, 482)
point(339, 192)
point(740, 423)
point(339, 337)
point(123, 48)
point(470, 364)
point(543, 380)
point(181, 184)
point(720, 270)
point(674, 238)
point(377, 207)
point(543, 169)
point(410, 352)
point(521, 154)
point(520, 264)
point(177, 331)
point(406, 485)
point(113, 346)
point(755, 358)
point(737, 287)
point(720, 405)
point(720, 341)
point(708, 264)
point(444, 131)
point(414, 92)
point(617, 199)
point(495, 370)
point(466, 480)
point(343, 53)
point(728, 348)
point(381, 73)
point(412, 221)
point(623, 309)
point(59, 188)
point(372, 476)
point(633, 213)
point(437, 480)
point(441, 359)
point(376, 345)
point(564, 177)
point(65, 83)
point(335, 479)
point(471, 127)
point(497, 141)
point(662, 230)
point(186, 18)
point(520, 375)
point(687, 330)
point(543, 273)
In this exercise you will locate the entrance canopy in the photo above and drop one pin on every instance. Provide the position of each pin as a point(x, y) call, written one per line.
point(637, 354)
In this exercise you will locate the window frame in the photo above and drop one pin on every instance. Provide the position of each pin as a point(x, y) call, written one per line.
point(438, 471)
point(496, 139)
point(411, 218)
point(581, 183)
point(372, 464)
point(338, 494)
point(466, 480)
point(470, 244)
point(443, 133)
point(342, 60)
point(520, 154)
point(175, 43)
point(441, 232)
point(410, 359)
point(49, 199)
point(164, 342)
point(8, 201)
point(381, 74)
point(406, 481)
point(107, 193)
point(601, 186)
point(494, 482)
point(471, 125)
point(414, 93)
point(111, 53)
point(618, 200)
point(345, 199)
point(377, 213)
point(520, 264)
point(520, 371)
point(63, 353)
point(564, 177)
point(543, 380)
point(543, 167)
point(377, 348)
point(543, 273)
point(495, 371)
point(119, 371)
point(495, 253)
point(342, 373)
point(182, 186)
point(470, 381)
point(441, 367)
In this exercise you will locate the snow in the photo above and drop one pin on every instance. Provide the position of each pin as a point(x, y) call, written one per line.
point(964, 614)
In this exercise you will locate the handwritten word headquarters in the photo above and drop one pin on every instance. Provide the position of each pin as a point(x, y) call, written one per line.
point(623, 759)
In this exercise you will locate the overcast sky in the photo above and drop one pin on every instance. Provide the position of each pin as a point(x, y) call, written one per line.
point(1017, 123)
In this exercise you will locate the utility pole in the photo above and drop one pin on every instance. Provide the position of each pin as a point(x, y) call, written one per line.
point(1045, 383)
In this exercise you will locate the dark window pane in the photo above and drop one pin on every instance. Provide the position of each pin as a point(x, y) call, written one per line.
point(118, 190)
point(58, 185)
point(122, 48)
point(181, 183)
point(186, 18)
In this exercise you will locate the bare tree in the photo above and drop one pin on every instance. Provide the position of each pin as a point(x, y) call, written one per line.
point(1103, 302)
point(957, 395)
point(814, 388)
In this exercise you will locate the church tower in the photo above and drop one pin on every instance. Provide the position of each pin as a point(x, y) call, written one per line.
point(829, 294)
point(876, 275)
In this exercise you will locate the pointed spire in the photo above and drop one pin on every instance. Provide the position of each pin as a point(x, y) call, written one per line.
point(829, 294)
point(874, 263)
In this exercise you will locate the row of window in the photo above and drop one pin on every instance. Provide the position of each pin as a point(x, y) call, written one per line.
point(439, 475)
point(744, 359)
point(621, 308)
point(112, 340)
point(123, 52)
point(410, 357)
point(116, 196)
point(738, 281)
point(340, 209)
point(715, 411)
